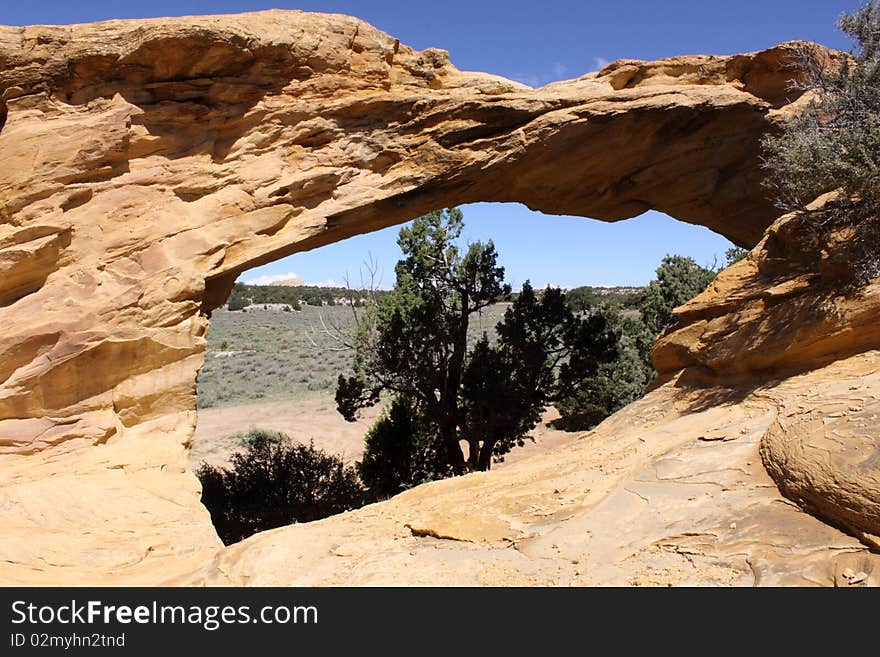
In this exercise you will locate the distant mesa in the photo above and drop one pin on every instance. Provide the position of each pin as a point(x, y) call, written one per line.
point(293, 281)
point(287, 281)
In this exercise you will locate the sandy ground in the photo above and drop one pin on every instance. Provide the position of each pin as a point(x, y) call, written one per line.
point(317, 420)
point(305, 420)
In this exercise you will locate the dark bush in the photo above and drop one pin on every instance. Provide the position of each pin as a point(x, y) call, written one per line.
point(276, 482)
point(617, 382)
point(400, 452)
point(237, 302)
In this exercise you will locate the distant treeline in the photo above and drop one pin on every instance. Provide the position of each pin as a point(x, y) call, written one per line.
point(293, 295)
point(587, 296)
point(579, 298)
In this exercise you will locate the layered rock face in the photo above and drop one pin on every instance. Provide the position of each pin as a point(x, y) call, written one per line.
point(791, 307)
point(148, 163)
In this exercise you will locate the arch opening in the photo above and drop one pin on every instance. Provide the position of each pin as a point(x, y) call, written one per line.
point(271, 360)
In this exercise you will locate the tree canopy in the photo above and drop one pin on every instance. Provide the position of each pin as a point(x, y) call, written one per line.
point(834, 143)
point(414, 345)
point(678, 280)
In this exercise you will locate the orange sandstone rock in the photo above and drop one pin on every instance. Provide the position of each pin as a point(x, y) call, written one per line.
point(147, 163)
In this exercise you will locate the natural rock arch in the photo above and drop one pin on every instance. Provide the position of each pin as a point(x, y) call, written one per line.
point(149, 162)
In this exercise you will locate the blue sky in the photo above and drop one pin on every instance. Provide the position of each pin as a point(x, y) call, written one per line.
point(535, 43)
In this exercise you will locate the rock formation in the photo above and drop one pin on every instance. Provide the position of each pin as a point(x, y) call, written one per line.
point(148, 163)
point(786, 309)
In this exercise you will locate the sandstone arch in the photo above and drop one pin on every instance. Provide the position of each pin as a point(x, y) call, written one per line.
point(149, 162)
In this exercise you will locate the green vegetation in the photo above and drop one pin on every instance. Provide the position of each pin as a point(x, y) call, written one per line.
point(679, 279)
point(585, 297)
point(834, 144)
point(267, 355)
point(413, 344)
point(276, 482)
point(244, 295)
point(625, 378)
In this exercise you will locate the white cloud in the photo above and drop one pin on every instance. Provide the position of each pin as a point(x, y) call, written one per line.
point(601, 63)
point(559, 70)
point(268, 279)
point(328, 283)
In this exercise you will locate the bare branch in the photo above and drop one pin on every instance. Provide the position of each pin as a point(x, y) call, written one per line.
point(345, 337)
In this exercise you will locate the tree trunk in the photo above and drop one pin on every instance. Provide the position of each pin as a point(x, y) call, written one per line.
point(485, 461)
point(474, 454)
point(449, 397)
point(454, 455)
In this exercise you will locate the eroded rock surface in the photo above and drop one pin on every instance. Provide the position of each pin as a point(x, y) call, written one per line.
point(789, 307)
point(669, 491)
point(147, 163)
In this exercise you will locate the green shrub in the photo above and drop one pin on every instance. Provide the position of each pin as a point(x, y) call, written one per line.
point(834, 144)
point(276, 482)
point(617, 383)
point(581, 299)
point(679, 279)
point(400, 452)
point(237, 302)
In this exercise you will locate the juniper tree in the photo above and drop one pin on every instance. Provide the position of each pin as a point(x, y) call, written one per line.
point(834, 143)
point(413, 344)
